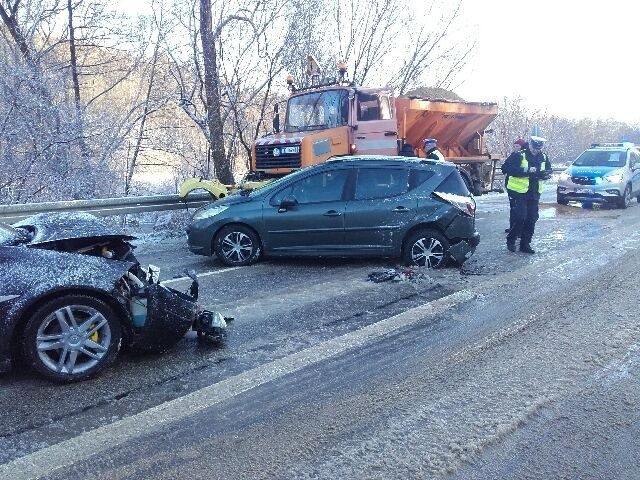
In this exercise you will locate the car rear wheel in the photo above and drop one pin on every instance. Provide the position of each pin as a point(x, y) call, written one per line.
point(72, 338)
point(625, 200)
point(237, 245)
point(425, 248)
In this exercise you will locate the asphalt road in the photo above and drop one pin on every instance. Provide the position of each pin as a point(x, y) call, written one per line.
point(516, 366)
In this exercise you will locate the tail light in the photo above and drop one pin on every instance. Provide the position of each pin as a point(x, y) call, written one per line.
point(352, 148)
point(466, 205)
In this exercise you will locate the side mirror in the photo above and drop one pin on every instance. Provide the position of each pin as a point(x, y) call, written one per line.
point(276, 118)
point(286, 203)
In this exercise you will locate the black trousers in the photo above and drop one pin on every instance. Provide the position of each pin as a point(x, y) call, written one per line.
point(523, 215)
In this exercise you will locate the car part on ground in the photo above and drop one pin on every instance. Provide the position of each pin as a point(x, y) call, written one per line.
point(371, 206)
point(72, 292)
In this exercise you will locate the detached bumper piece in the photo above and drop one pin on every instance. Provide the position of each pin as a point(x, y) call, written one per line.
point(462, 251)
point(170, 315)
point(211, 326)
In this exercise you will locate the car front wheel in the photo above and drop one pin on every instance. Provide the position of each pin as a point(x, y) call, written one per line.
point(425, 248)
point(72, 338)
point(562, 200)
point(237, 245)
point(625, 199)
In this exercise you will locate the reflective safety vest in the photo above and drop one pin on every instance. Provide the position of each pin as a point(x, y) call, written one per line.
point(436, 153)
point(521, 184)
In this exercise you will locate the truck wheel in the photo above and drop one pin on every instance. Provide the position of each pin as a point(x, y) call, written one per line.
point(425, 248)
point(237, 245)
point(71, 338)
point(477, 188)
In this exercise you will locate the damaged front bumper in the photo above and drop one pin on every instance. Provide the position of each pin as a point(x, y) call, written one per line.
point(161, 317)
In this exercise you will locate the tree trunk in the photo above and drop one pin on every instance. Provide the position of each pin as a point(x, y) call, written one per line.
point(84, 149)
point(222, 169)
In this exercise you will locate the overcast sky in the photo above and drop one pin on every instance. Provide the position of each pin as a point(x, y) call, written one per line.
point(571, 58)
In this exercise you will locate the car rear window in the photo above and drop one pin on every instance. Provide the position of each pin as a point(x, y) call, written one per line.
point(418, 177)
point(453, 184)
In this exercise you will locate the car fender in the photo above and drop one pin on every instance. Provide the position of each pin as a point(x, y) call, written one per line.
point(43, 272)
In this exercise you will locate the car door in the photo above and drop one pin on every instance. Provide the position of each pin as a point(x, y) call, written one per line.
point(315, 224)
point(380, 210)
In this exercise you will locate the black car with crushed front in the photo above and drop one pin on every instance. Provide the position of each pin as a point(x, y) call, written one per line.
point(72, 292)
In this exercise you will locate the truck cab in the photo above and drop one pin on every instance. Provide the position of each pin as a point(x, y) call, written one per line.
point(328, 121)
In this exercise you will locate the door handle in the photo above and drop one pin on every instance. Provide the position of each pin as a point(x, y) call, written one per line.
point(332, 213)
point(361, 137)
point(390, 134)
point(400, 209)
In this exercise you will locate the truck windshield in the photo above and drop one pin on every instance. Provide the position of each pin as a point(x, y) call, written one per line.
point(601, 158)
point(316, 110)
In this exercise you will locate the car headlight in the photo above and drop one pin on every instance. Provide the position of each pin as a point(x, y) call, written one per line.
point(564, 176)
point(208, 212)
point(613, 178)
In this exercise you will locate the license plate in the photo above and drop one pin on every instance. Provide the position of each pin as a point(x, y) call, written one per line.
point(584, 190)
point(285, 150)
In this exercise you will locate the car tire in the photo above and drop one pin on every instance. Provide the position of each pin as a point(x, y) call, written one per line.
point(562, 200)
point(237, 245)
point(625, 200)
point(425, 248)
point(72, 338)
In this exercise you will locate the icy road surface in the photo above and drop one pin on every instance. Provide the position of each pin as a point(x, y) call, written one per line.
point(515, 367)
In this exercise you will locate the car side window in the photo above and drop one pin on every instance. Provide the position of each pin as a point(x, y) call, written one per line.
point(381, 183)
point(321, 187)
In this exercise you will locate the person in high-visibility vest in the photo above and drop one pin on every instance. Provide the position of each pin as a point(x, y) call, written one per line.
point(518, 146)
point(525, 172)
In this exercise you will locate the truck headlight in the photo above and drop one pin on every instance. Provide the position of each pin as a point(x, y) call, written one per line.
point(613, 178)
point(208, 212)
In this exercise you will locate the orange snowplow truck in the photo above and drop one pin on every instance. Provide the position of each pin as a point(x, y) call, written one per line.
point(338, 118)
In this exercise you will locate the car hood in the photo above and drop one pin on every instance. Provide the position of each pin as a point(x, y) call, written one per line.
point(231, 200)
point(590, 172)
point(48, 228)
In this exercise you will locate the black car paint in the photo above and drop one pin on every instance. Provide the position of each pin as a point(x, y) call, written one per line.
point(44, 264)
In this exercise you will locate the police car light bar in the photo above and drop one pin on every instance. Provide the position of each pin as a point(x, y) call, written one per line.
point(623, 144)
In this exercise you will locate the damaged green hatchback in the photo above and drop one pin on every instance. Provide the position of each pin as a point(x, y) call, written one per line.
point(368, 206)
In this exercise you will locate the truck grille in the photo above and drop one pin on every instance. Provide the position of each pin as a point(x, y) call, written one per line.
point(583, 180)
point(266, 159)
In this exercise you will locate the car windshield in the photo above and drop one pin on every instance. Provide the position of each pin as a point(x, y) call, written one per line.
point(317, 110)
point(10, 236)
point(601, 158)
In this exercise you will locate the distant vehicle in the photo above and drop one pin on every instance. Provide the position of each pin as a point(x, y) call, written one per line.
point(604, 173)
point(382, 206)
point(72, 292)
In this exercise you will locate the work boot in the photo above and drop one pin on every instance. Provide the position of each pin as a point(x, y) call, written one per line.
point(511, 246)
point(526, 248)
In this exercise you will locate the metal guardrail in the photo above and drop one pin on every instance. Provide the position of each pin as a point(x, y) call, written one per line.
point(103, 207)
